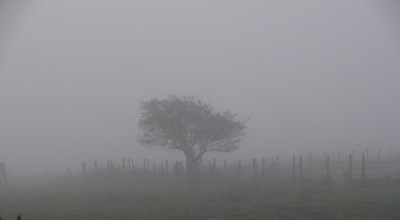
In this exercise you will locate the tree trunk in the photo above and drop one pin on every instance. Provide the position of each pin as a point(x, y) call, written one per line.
point(192, 166)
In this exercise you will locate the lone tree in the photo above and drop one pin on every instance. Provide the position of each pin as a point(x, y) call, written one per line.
point(189, 125)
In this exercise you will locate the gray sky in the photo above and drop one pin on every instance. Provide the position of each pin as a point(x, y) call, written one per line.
point(313, 76)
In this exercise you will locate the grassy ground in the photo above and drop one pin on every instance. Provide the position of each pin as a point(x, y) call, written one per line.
point(377, 199)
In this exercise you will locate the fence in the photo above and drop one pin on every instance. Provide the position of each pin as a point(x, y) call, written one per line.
point(338, 167)
point(331, 167)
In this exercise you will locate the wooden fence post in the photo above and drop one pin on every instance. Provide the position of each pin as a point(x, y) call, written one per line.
point(328, 175)
point(123, 163)
point(166, 166)
point(350, 167)
point(214, 166)
point(275, 167)
point(254, 167)
point(363, 167)
point(225, 169)
point(176, 168)
point(129, 164)
point(3, 171)
point(239, 169)
point(300, 167)
point(294, 168)
point(181, 168)
point(379, 155)
point(263, 167)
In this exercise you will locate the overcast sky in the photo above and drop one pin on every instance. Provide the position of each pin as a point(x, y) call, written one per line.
point(314, 76)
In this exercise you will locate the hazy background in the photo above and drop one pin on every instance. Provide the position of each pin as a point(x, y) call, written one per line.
point(313, 76)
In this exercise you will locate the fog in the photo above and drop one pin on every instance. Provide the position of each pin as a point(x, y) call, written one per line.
point(314, 76)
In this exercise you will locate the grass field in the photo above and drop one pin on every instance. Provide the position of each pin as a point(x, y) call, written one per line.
point(153, 198)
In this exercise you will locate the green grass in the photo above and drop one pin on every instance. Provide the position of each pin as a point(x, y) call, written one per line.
point(208, 200)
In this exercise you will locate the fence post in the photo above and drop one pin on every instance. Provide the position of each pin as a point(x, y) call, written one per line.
point(181, 168)
point(176, 167)
point(166, 166)
point(300, 167)
point(123, 163)
point(254, 167)
point(214, 166)
point(294, 167)
point(350, 167)
point(239, 169)
point(4, 173)
point(363, 167)
point(263, 168)
point(129, 164)
point(225, 170)
point(328, 175)
point(379, 155)
point(95, 166)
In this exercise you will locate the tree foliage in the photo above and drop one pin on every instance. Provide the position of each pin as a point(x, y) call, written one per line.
point(189, 125)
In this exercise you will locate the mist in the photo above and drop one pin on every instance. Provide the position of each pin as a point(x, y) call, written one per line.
point(312, 76)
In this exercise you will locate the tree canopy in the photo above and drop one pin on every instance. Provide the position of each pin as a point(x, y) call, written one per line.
point(189, 125)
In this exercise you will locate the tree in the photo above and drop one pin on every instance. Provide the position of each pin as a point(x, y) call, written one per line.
point(189, 125)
